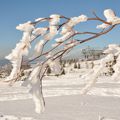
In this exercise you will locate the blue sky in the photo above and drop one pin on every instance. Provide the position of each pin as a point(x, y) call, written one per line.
point(13, 12)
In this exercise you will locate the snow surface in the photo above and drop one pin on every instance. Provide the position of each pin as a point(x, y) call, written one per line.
point(63, 99)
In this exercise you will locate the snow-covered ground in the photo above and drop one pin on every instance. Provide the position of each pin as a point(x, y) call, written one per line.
point(63, 100)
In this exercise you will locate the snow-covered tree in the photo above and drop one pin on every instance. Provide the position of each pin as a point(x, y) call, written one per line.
point(75, 65)
point(113, 52)
point(62, 33)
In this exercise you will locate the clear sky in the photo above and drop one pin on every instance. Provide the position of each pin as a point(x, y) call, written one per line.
point(13, 12)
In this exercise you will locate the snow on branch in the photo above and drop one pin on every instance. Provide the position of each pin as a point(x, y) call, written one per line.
point(20, 50)
point(111, 18)
point(55, 40)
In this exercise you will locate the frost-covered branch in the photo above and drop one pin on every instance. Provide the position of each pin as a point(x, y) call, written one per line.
point(55, 41)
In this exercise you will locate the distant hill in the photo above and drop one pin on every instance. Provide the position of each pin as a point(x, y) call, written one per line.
point(3, 62)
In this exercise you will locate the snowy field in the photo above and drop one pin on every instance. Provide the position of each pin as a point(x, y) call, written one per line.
point(63, 100)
